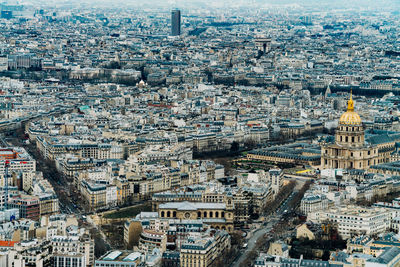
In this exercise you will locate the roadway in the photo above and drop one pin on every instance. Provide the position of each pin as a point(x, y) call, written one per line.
point(265, 229)
point(251, 243)
point(67, 202)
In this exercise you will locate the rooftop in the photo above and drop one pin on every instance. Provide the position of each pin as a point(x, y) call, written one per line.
point(192, 206)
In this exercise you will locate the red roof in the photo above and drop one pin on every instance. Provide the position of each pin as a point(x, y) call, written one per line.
point(7, 243)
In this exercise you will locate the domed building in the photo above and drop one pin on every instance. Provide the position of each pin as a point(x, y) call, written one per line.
point(349, 150)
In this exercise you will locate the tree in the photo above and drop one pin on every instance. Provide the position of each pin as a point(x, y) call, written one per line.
point(326, 255)
point(283, 193)
point(114, 65)
point(295, 201)
point(236, 239)
point(235, 146)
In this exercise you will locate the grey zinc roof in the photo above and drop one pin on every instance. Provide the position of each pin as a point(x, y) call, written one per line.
point(386, 257)
point(185, 205)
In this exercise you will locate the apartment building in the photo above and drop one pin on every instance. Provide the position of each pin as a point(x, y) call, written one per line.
point(94, 193)
point(28, 206)
point(82, 246)
point(313, 203)
point(150, 239)
point(355, 220)
point(204, 250)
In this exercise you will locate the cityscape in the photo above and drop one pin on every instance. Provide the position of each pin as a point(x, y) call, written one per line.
point(233, 133)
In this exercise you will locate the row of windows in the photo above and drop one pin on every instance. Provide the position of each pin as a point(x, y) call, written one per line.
point(115, 265)
point(205, 214)
point(351, 129)
point(338, 152)
point(347, 139)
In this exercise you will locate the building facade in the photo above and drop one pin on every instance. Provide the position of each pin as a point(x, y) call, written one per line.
point(204, 251)
point(313, 203)
point(351, 149)
point(355, 220)
point(176, 22)
point(217, 215)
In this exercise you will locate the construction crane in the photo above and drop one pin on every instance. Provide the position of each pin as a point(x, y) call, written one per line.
point(6, 166)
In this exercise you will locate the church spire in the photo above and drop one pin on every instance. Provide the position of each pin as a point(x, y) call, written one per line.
point(350, 103)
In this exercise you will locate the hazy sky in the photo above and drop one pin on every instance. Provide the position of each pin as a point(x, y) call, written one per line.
point(387, 4)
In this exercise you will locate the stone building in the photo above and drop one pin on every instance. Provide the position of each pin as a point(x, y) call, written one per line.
point(351, 149)
point(217, 215)
point(204, 251)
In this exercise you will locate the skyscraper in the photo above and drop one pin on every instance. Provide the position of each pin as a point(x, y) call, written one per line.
point(176, 22)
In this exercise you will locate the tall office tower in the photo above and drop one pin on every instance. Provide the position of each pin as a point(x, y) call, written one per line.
point(175, 22)
point(307, 20)
point(6, 14)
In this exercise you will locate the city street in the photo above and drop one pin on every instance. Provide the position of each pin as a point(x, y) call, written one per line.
point(259, 233)
point(61, 186)
point(152, 132)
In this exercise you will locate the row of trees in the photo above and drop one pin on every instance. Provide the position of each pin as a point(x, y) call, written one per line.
point(270, 208)
point(283, 194)
point(281, 227)
point(237, 241)
point(320, 248)
point(378, 198)
point(296, 199)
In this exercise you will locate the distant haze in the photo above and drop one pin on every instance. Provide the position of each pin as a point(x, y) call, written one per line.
point(387, 4)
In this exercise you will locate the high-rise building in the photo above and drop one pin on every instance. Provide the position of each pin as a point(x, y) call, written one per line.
point(176, 22)
point(307, 20)
point(6, 14)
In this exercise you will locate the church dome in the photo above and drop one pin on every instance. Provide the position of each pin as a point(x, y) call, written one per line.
point(350, 117)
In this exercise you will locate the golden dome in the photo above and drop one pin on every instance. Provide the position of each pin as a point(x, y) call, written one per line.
point(350, 117)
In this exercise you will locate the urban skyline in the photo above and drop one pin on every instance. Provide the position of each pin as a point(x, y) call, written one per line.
point(199, 133)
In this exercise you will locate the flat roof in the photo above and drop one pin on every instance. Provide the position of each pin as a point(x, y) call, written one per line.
point(113, 255)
